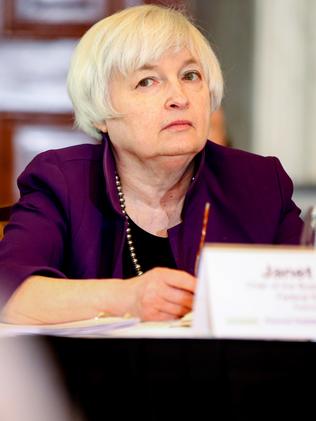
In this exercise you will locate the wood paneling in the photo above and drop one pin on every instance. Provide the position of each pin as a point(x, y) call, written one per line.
point(9, 123)
point(6, 161)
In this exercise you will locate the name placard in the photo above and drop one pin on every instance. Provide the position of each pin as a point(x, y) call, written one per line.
point(256, 292)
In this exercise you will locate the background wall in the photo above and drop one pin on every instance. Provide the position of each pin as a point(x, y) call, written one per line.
point(267, 49)
point(228, 24)
point(37, 38)
point(268, 53)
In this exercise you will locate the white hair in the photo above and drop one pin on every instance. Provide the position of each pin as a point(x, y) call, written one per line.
point(123, 42)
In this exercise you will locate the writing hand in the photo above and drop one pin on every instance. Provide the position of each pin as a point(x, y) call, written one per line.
point(161, 294)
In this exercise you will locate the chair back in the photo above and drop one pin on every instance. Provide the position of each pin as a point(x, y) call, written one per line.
point(4, 218)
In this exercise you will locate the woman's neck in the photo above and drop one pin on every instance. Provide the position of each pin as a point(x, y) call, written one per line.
point(154, 194)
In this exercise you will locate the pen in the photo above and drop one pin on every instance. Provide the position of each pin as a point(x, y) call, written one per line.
point(203, 235)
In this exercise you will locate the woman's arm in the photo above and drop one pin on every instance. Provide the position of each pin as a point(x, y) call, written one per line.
point(159, 294)
point(40, 299)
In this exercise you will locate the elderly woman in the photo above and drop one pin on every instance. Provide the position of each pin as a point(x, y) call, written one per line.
point(115, 227)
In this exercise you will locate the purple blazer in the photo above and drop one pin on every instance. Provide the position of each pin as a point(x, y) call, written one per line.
point(68, 222)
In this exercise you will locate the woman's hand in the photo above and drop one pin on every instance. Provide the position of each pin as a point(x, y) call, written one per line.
point(161, 294)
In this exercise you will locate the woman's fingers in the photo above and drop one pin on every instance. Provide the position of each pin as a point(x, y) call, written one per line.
point(177, 296)
point(177, 278)
point(167, 311)
point(164, 294)
point(174, 310)
point(160, 316)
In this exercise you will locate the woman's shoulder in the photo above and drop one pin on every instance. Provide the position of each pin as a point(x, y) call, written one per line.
point(53, 167)
point(232, 159)
point(237, 167)
point(228, 152)
point(86, 151)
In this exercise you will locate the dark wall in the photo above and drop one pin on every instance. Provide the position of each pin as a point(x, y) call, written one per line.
point(229, 25)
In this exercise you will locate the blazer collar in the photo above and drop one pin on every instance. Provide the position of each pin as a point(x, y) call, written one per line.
point(109, 170)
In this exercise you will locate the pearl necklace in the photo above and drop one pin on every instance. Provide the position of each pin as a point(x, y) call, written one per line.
point(130, 241)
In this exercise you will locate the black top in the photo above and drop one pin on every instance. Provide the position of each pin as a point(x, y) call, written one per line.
point(151, 251)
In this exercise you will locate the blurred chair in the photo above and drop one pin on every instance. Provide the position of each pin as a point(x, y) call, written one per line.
point(308, 236)
point(218, 132)
point(4, 218)
point(31, 387)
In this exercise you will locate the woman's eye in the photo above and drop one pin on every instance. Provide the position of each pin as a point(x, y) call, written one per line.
point(145, 83)
point(193, 75)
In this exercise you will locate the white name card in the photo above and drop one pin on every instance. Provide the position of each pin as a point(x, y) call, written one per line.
point(255, 292)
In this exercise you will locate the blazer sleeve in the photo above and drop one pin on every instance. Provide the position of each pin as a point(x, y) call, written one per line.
point(35, 238)
point(290, 224)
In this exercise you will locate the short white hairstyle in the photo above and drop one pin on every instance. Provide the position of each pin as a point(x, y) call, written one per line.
point(124, 42)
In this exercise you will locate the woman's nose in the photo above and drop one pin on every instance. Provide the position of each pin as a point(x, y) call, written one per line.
point(177, 97)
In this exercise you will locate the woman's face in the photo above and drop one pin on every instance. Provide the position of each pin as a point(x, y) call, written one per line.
point(165, 107)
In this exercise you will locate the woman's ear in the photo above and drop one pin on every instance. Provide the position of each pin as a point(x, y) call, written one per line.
point(101, 126)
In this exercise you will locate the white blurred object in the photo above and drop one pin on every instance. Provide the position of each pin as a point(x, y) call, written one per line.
point(308, 236)
point(33, 75)
point(284, 89)
point(61, 11)
point(30, 389)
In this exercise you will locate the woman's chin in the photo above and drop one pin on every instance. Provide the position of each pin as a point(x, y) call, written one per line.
point(181, 145)
point(175, 159)
point(183, 149)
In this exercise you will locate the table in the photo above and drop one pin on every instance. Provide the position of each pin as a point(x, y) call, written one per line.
point(197, 379)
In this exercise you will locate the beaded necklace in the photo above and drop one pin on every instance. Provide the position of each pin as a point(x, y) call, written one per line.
point(130, 242)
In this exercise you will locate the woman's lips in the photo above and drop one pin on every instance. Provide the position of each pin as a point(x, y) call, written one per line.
point(178, 125)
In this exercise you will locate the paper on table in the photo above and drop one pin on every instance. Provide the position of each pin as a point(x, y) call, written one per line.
point(180, 328)
point(103, 326)
point(97, 326)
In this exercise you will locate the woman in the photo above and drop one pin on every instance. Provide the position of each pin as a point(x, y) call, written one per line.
point(116, 227)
